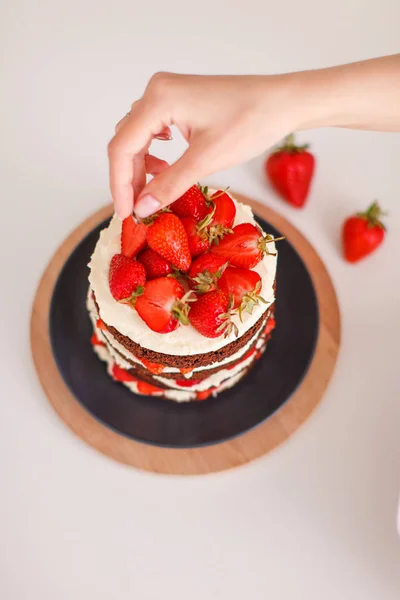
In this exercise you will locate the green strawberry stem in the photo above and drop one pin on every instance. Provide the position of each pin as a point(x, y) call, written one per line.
point(290, 146)
point(373, 215)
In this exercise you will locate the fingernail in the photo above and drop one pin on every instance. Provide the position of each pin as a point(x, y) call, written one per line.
point(146, 206)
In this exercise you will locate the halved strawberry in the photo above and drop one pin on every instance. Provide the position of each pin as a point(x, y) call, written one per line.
point(121, 374)
point(204, 394)
point(126, 278)
point(270, 326)
point(187, 382)
point(168, 237)
point(211, 315)
point(245, 246)
point(225, 210)
point(148, 388)
point(101, 325)
point(197, 237)
point(244, 286)
point(154, 368)
point(185, 371)
point(154, 264)
point(162, 305)
point(191, 204)
point(133, 237)
point(95, 341)
point(205, 272)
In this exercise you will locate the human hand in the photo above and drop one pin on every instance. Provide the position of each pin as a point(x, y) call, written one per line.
point(225, 119)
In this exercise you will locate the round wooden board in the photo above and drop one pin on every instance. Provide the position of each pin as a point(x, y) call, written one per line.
point(192, 461)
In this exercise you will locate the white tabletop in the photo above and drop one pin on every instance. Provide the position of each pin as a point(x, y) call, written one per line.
point(315, 519)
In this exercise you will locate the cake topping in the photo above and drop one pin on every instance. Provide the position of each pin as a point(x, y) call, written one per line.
point(245, 246)
point(154, 264)
point(244, 286)
point(163, 304)
point(192, 204)
point(205, 272)
point(126, 278)
point(167, 236)
point(211, 315)
point(197, 236)
point(221, 216)
point(133, 237)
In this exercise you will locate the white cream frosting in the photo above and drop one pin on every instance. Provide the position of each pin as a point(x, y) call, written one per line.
point(113, 344)
point(185, 340)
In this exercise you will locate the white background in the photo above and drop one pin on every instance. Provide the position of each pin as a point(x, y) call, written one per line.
point(316, 519)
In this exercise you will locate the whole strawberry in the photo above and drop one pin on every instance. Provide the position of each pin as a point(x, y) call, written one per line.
point(205, 272)
point(244, 247)
point(197, 237)
point(192, 203)
point(290, 170)
point(133, 237)
point(243, 286)
point(363, 233)
point(211, 315)
point(168, 237)
point(154, 264)
point(163, 306)
point(126, 278)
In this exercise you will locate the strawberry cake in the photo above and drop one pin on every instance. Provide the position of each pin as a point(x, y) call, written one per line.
point(182, 304)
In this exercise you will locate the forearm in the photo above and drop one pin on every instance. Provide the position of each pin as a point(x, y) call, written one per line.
point(363, 95)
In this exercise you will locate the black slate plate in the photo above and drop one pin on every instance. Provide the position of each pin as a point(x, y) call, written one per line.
point(164, 423)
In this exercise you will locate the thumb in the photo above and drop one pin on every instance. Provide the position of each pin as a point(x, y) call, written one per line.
point(170, 184)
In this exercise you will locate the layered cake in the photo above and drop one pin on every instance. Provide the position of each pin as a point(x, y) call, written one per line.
point(182, 305)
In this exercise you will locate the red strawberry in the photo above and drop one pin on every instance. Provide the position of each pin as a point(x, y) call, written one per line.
point(270, 326)
point(224, 210)
point(133, 237)
point(126, 277)
point(120, 374)
point(191, 204)
point(290, 169)
point(187, 382)
point(244, 286)
point(95, 341)
point(363, 233)
point(185, 371)
point(205, 272)
point(147, 388)
point(154, 368)
point(101, 325)
point(168, 237)
point(197, 237)
point(204, 394)
point(154, 264)
point(210, 315)
point(161, 306)
point(244, 247)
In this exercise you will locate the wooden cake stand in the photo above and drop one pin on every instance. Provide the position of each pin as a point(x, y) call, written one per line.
point(232, 453)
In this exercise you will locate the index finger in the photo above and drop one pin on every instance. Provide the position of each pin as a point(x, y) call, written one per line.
point(134, 135)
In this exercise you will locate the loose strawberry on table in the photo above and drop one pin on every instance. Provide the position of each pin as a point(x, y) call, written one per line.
point(363, 233)
point(290, 169)
point(126, 278)
point(133, 237)
point(167, 236)
point(162, 306)
point(245, 246)
point(205, 272)
point(154, 264)
point(211, 315)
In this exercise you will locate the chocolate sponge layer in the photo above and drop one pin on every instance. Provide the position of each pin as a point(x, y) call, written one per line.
point(191, 361)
